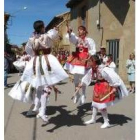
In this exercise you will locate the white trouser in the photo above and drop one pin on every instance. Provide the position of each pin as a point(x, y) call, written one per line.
point(93, 118)
point(94, 113)
point(41, 100)
point(77, 80)
point(105, 115)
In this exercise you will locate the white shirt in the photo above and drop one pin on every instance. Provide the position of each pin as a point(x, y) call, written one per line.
point(130, 65)
point(110, 76)
point(91, 44)
point(41, 41)
point(112, 65)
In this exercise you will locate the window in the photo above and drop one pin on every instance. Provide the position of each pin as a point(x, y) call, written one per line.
point(113, 48)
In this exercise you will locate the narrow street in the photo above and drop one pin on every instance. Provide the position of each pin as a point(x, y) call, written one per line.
point(66, 119)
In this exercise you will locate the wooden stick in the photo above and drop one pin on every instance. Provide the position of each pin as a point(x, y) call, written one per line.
point(56, 92)
point(68, 28)
point(75, 93)
point(61, 23)
point(55, 96)
point(106, 96)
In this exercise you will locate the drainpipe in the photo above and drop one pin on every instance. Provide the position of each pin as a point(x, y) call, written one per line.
point(98, 22)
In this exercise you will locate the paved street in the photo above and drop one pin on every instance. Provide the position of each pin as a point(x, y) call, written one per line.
point(66, 120)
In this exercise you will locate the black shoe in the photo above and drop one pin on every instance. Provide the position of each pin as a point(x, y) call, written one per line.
point(30, 113)
point(6, 87)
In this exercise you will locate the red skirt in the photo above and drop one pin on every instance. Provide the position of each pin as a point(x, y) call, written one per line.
point(100, 90)
point(79, 57)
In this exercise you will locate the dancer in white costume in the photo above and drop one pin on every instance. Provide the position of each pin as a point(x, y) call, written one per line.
point(108, 90)
point(43, 69)
point(76, 63)
point(21, 63)
point(42, 100)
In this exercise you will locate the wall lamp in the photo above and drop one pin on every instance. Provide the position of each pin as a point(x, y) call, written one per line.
point(98, 24)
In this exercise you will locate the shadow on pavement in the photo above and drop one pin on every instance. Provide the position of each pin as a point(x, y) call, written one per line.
point(82, 110)
point(69, 118)
point(116, 119)
point(65, 117)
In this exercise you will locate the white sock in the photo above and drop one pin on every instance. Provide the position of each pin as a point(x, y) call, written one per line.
point(84, 90)
point(82, 99)
point(37, 99)
point(76, 98)
point(44, 100)
point(105, 117)
point(93, 118)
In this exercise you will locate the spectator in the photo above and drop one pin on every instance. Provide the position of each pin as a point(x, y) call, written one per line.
point(6, 69)
point(21, 62)
point(130, 65)
point(103, 55)
point(110, 62)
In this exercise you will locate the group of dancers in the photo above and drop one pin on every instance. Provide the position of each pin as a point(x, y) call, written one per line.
point(43, 71)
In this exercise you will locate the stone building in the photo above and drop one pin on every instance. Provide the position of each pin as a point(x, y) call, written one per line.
point(111, 23)
point(60, 21)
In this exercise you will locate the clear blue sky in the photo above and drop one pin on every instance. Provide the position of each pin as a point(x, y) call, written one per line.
point(21, 25)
